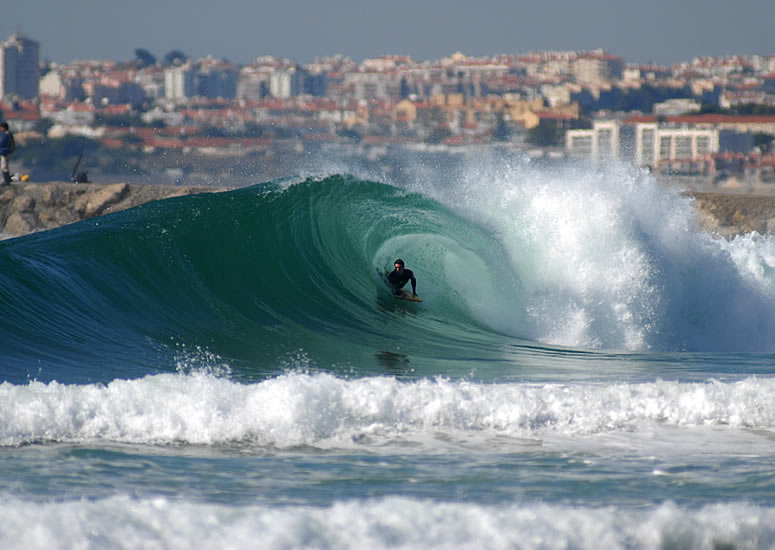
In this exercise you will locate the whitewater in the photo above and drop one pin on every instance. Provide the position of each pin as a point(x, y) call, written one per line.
point(589, 368)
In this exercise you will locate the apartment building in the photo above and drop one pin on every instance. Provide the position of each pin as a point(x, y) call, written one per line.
point(180, 82)
point(607, 140)
point(208, 79)
point(597, 68)
point(19, 70)
point(679, 143)
point(658, 145)
point(645, 143)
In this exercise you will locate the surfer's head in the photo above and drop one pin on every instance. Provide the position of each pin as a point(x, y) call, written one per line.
point(399, 264)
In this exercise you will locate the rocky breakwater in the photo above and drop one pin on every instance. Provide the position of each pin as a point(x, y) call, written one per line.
point(26, 208)
point(729, 214)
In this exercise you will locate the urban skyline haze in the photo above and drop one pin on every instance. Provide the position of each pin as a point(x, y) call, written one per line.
point(660, 31)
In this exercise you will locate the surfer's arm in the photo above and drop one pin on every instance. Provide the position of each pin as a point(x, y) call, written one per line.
point(394, 283)
point(414, 286)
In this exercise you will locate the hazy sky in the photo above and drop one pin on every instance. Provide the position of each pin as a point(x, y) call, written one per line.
point(662, 31)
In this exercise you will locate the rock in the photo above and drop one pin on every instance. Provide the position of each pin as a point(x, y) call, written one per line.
point(97, 201)
point(730, 214)
point(7, 194)
point(19, 223)
point(23, 203)
point(25, 208)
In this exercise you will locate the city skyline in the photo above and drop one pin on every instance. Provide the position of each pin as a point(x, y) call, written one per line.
point(661, 32)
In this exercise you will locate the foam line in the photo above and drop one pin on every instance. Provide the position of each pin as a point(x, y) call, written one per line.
point(320, 409)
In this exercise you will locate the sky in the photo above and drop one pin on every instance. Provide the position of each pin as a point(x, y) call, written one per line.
point(658, 31)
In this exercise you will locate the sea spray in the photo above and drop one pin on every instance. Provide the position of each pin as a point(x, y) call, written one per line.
point(608, 258)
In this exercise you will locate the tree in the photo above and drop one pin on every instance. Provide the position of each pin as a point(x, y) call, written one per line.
point(175, 57)
point(548, 133)
point(144, 58)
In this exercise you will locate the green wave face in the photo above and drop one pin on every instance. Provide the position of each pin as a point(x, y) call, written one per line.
point(261, 279)
point(514, 269)
point(296, 270)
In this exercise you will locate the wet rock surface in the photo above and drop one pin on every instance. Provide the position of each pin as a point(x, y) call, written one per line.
point(26, 208)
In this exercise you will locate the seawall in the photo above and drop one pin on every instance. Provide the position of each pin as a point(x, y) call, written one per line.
point(26, 208)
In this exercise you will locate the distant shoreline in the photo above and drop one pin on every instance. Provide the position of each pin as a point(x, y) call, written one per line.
point(29, 207)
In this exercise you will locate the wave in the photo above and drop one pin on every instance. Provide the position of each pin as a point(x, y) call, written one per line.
point(394, 522)
point(251, 275)
point(323, 411)
point(608, 258)
point(506, 256)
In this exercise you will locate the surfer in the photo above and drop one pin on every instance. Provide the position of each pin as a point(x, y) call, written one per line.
point(7, 146)
point(400, 276)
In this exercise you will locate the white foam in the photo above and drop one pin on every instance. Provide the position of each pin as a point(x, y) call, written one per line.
point(607, 258)
point(396, 522)
point(326, 411)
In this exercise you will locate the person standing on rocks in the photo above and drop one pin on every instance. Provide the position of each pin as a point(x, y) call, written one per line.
point(7, 146)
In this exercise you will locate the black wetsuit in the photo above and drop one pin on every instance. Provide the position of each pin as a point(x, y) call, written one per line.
point(397, 281)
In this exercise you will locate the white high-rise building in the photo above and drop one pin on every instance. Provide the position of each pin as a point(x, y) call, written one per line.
point(19, 68)
point(281, 83)
point(179, 82)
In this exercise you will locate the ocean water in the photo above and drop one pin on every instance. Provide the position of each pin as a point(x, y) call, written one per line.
point(588, 369)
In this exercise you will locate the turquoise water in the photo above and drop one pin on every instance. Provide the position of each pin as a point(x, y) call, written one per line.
point(588, 369)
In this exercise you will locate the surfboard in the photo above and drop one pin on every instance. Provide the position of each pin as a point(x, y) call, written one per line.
point(406, 295)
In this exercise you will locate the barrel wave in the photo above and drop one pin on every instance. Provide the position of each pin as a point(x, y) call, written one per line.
point(254, 276)
point(286, 274)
